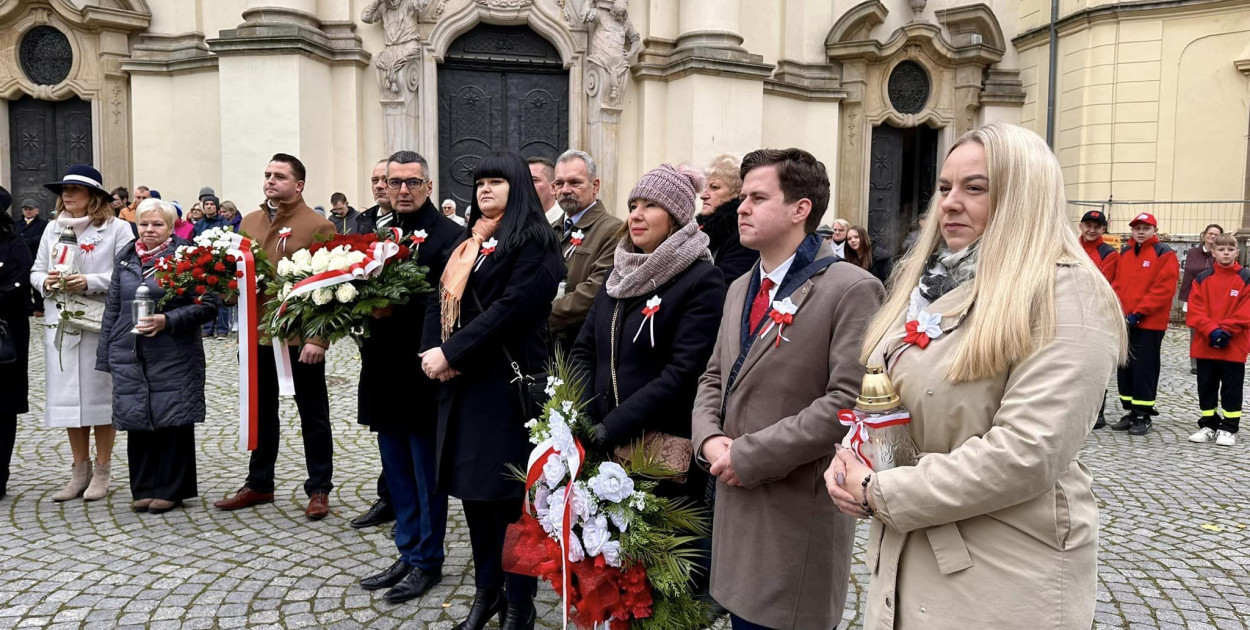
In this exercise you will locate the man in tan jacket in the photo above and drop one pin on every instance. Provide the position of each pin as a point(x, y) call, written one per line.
point(588, 239)
point(765, 417)
point(283, 225)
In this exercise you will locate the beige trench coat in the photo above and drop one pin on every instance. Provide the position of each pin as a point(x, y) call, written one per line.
point(996, 527)
point(781, 551)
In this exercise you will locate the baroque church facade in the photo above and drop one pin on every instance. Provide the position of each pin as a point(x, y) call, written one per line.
point(1141, 99)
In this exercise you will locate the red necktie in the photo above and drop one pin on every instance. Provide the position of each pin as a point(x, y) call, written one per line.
point(760, 305)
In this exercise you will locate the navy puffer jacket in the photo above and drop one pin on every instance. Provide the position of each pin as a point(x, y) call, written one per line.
point(158, 382)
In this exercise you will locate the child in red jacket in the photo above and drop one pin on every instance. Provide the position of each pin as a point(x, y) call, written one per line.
point(1145, 282)
point(1219, 313)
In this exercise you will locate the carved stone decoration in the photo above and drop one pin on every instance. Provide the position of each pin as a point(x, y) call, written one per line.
point(917, 7)
point(398, 67)
point(45, 55)
point(613, 49)
point(909, 87)
point(506, 4)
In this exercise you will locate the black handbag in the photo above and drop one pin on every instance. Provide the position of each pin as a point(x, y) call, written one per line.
point(531, 388)
point(8, 345)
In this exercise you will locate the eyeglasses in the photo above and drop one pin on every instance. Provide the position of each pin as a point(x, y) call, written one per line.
point(412, 184)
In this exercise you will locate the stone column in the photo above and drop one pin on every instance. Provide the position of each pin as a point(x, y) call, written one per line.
point(113, 112)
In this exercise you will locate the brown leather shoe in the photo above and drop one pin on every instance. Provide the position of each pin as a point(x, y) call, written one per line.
point(245, 497)
point(318, 506)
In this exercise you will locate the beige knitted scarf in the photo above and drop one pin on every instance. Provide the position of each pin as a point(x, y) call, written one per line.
point(634, 274)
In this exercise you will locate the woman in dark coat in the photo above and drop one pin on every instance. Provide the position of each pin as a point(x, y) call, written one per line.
point(158, 376)
point(663, 261)
point(719, 217)
point(15, 264)
point(495, 296)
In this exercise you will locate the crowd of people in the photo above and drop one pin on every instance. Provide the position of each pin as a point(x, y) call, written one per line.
point(719, 311)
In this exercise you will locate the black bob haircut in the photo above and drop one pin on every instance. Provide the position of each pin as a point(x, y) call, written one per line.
point(523, 218)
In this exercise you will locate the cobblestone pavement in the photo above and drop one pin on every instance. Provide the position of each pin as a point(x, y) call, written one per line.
point(1173, 540)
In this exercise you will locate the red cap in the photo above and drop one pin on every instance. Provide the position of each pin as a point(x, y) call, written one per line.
point(1144, 217)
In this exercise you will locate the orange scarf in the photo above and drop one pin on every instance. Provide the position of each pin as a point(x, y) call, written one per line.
point(459, 267)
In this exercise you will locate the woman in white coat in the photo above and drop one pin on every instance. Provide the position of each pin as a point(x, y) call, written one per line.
point(79, 397)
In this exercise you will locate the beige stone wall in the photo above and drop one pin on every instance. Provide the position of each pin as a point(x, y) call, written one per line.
point(1150, 105)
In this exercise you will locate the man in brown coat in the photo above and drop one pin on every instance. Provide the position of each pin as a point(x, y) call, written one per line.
point(587, 242)
point(283, 225)
point(765, 418)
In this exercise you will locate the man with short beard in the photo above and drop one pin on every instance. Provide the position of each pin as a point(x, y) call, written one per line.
point(402, 405)
point(379, 214)
point(588, 240)
point(283, 225)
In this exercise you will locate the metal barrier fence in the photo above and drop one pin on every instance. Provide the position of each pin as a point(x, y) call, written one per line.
point(1175, 217)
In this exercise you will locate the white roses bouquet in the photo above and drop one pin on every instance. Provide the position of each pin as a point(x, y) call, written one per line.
point(596, 521)
point(336, 287)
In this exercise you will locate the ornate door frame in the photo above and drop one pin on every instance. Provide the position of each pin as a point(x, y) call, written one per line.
point(99, 40)
point(568, 39)
point(955, 63)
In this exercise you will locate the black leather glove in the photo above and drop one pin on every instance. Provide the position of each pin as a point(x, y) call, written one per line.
point(599, 436)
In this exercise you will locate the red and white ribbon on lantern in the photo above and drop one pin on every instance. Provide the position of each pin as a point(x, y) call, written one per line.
point(782, 315)
point(648, 315)
point(371, 266)
point(538, 458)
point(860, 424)
point(249, 339)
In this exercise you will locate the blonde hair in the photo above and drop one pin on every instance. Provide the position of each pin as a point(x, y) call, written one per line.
point(99, 208)
point(166, 210)
point(727, 168)
point(1027, 229)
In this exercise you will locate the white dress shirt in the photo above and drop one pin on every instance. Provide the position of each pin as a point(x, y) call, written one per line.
point(777, 275)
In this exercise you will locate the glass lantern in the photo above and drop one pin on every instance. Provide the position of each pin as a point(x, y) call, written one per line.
point(65, 254)
point(142, 306)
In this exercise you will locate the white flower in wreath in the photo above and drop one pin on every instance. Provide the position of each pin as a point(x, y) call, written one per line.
point(582, 503)
point(554, 471)
point(612, 553)
point(321, 297)
point(576, 553)
point(551, 521)
point(595, 535)
point(612, 483)
point(284, 267)
point(552, 384)
point(567, 407)
point(561, 436)
point(355, 258)
point(638, 501)
point(286, 291)
point(620, 519)
point(302, 259)
point(320, 261)
point(345, 293)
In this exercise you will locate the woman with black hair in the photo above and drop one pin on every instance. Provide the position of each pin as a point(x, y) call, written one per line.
point(495, 296)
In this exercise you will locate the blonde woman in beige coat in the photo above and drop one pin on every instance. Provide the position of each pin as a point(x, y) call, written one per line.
point(996, 526)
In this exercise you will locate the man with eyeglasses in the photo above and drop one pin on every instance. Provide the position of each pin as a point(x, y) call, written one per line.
point(283, 225)
point(402, 405)
point(379, 214)
point(587, 240)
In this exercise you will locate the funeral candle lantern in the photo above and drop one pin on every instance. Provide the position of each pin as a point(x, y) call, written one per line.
point(880, 427)
point(64, 253)
point(142, 306)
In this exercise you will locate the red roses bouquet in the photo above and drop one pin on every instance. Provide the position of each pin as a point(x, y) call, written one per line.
point(334, 288)
point(208, 266)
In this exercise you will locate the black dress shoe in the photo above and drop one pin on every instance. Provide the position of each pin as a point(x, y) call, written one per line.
point(1141, 426)
point(415, 585)
point(378, 513)
point(388, 578)
point(519, 616)
point(487, 603)
point(1102, 420)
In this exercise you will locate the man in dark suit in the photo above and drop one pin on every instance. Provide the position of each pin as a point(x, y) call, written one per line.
point(30, 229)
point(401, 403)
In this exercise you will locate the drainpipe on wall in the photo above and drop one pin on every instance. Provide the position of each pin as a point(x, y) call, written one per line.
point(1052, 79)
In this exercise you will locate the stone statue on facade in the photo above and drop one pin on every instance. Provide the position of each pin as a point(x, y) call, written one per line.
point(398, 66)
point(614, 47)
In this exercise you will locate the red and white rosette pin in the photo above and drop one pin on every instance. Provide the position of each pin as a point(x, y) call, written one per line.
point(575, 240)
point(87, 248)
point(925, 328)
point(488, 248)
point(283, 234)
point(418, 237)
point(648, 317)
point(782, 315)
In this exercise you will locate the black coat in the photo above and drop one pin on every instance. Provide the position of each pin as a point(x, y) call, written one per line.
point(656, 384)
point(728, 252)
point(158, 382)
point(395, 395)
point(14, 298)
point(480, 421)
point(31, 233)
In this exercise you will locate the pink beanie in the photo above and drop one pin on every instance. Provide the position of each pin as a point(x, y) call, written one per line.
point(674, 188)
